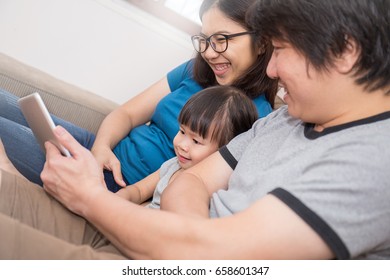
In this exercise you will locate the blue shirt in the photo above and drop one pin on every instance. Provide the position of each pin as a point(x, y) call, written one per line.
point(147, 147)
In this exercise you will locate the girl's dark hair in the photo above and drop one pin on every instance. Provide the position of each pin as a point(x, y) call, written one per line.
point(223, 111)
point(254, 81)
point(322, 30)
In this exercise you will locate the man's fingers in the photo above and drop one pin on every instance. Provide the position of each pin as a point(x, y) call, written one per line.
point(51, 149)
point(67, 140)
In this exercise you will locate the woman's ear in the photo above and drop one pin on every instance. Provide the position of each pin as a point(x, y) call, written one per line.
point(346, 61)
point(261, 47)
point(261, 50)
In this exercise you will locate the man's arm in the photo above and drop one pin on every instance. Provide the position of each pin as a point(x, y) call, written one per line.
point(266, 230)
point(190, 192)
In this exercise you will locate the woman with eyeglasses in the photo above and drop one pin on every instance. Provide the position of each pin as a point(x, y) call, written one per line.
point(136, 138)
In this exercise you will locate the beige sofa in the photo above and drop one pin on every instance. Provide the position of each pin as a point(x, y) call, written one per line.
point(64, 100)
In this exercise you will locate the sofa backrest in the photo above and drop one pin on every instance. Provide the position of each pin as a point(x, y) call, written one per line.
point(64, 100)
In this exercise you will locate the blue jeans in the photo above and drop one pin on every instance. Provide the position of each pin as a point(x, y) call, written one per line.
point(22, 148)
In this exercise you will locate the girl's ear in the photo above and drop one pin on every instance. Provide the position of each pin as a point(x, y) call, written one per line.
point(347, 60)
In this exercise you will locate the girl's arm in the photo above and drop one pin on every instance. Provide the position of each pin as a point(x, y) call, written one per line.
point(142, 190)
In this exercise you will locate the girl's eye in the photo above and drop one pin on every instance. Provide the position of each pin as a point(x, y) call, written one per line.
point(182, 131)
point(196, 141)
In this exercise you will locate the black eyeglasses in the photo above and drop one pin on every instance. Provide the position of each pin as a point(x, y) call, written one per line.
point(219, 42)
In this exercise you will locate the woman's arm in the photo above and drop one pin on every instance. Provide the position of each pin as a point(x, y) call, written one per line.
point(120, 122)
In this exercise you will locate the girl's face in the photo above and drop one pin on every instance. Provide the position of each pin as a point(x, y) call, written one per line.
point(191, 148)
point(238, 57)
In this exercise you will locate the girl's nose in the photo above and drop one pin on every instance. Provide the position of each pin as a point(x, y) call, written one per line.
point(183, 145)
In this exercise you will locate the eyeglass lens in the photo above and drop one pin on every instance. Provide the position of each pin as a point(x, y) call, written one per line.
point(217, 41)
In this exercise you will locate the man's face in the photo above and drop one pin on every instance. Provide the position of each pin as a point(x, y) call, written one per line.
point(310, 93)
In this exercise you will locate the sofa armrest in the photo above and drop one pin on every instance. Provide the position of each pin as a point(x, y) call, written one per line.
point(64, 100)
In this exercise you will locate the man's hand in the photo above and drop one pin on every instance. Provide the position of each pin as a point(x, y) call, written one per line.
point(75, 180)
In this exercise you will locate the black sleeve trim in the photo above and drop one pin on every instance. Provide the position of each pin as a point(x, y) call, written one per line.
point(230, 159)
point(319, 225)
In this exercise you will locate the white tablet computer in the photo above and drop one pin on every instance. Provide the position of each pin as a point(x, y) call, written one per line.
point(40, 121)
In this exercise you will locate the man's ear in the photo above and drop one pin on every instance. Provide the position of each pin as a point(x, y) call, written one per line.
point(346, 61)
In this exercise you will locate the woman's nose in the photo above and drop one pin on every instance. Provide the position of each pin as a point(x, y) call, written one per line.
point(210, 53)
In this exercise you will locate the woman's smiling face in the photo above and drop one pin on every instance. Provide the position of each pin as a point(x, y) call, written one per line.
point(240, 54)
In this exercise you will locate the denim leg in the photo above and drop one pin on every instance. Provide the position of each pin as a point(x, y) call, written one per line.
point(22, 148)
point(83, 136)
point(24, 151)
point(9, 108)
point(110, 181)
point(20, 144)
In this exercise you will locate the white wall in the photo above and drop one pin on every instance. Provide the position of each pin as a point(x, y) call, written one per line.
point(106, 46)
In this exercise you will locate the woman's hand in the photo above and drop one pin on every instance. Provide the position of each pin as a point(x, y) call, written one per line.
point(75, 180)
point(118, 124)
point(107, 160)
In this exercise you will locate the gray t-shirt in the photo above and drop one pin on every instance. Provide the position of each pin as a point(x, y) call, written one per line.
point(167, 169)
point(338, 180)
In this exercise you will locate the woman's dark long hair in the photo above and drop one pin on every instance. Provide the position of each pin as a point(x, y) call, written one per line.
point(254, 81)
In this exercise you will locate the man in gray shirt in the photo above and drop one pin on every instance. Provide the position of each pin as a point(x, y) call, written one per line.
point(311, 181)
